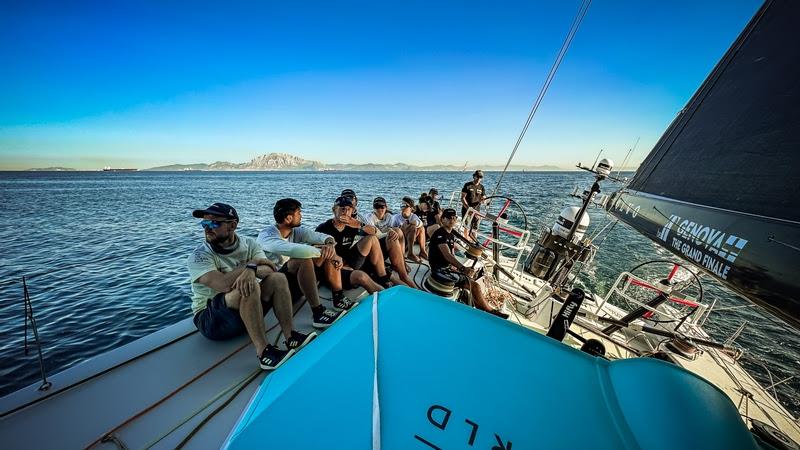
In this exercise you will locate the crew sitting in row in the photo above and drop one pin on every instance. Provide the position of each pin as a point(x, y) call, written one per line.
point(234, 285)
point(304, 255)
point(344, 228)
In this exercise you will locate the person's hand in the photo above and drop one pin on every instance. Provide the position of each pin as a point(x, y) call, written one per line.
point(337, 261)
point(327, 251)
point(468, 271)
point(245, 283)
point(392, 235)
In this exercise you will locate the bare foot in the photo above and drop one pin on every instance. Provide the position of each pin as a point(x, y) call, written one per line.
point(423, 255)
point(414, 258)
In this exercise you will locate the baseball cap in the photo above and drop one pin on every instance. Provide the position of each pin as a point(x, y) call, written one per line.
point(348, 193)
point(217, 209)
point(478, 173)
point(344, 201)
point(409, 200)
point(448, 212)
point(433, 191)
point(379, 201)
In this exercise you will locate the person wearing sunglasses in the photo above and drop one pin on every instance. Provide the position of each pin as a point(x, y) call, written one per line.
point(412, 228)
point(234, 285)
point(362, 257)
point(443, 260)
point(303, 254)
point(364, 227)
point(391, 239)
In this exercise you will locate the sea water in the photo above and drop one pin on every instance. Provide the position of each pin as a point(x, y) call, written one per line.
point(104, 253)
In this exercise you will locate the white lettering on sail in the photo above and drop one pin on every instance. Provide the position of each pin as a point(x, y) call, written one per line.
point(706, 246)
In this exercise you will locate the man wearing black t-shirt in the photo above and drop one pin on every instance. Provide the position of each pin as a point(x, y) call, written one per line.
point(441, 258)
point(344, 228)
point(472, 194)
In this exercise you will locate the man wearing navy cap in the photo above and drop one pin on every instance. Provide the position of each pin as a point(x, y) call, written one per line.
point(344, 229)
point(442, 259)
point(234, 285)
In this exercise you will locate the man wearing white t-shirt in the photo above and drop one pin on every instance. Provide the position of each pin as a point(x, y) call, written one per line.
point(389, 238)
point(412, 228)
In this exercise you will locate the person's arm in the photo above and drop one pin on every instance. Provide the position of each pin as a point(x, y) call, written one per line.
point(464, 198)
point(272, 243)
point(221, 282)
point(449, 257)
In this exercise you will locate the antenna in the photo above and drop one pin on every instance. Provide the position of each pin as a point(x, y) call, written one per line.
point(595, 160)
point(630, 150)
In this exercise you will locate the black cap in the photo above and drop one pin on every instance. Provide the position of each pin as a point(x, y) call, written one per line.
point(448, 212)
point(217, 209)
point(478, 173)
point(344, 201)
point(379, 201)
point(349, 193)
point(409, 200)
point(433, 191)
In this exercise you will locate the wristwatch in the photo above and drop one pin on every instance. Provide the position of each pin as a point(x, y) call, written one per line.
point(253, 266)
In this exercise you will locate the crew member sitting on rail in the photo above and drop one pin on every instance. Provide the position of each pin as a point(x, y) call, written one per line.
point(442, 259)
point(300, 253)
point(234, 285)
point(390, 239)
point(412, 228)
point(344, 228)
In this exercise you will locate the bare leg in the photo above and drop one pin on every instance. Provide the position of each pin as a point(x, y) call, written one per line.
point(371, 248)
point(432, 229)
point(421, 241)
point(409, 241)
point(477, 296)
point(333, 275)
point(275, 287)
point(398, 262)
point(360, 278)
point(306, 278)
point(252, 314)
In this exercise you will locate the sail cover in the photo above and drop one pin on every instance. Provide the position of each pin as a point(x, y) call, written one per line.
point(451, 377)
point(719, 188)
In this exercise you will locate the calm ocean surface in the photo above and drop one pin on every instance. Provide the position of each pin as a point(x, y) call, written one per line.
point(105, 253)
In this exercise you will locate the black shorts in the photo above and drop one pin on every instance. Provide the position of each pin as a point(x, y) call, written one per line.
point(474, 224)
point(352, 256)
point(218, 322)
point(294, 286)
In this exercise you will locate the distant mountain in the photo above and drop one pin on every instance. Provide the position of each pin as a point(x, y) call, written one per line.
point(51, 169)
point(285, 161)
point(272, 161)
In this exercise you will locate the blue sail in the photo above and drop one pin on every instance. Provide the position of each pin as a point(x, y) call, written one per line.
point(453, 377)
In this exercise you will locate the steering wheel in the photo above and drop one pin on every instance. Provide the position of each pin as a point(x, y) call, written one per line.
point(677, 280)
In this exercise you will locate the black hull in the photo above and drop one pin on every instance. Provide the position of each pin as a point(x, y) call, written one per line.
point(756, 256)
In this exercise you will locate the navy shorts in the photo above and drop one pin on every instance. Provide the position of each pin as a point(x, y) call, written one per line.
point(218, 322)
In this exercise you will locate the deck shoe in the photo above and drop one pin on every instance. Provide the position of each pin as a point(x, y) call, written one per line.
point(498, 313)
point(272, 357)
point(323, 317)
point(342, 303)
point(299, 340)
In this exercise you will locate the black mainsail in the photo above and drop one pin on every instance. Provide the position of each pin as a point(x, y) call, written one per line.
point(721, 187)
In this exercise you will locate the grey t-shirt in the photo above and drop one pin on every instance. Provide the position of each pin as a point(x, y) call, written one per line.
point(204, 260)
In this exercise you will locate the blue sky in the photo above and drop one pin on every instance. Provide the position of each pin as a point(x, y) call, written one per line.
point(139, 84)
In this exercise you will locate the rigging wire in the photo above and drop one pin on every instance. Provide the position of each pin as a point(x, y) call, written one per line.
point(562, 52)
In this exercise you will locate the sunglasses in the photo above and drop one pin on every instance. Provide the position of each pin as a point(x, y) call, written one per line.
point(379, 206)
point(212, 224)
point(405, 205)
